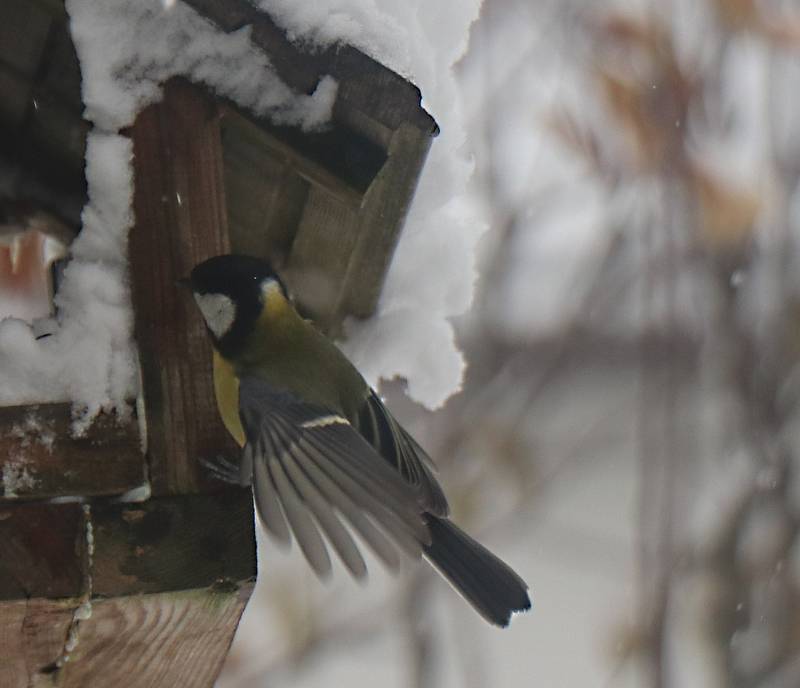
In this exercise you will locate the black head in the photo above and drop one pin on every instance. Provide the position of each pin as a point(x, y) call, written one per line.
point(230, 292)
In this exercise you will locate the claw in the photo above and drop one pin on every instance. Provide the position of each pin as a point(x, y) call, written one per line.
point(222, 469)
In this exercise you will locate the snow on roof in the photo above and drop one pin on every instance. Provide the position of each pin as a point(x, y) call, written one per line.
point(126, 51)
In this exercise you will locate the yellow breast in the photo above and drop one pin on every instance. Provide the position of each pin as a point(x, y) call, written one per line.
point(226, 389)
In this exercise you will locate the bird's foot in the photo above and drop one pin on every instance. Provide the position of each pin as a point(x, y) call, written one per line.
point(222, 469)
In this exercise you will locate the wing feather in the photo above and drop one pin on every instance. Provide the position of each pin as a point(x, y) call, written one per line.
point(302, 525)
point(336, 533)
point(402, 452)
point(269, 508)
point(310, 467)
point(395, 495)
point(394, 525)
point(377, 541)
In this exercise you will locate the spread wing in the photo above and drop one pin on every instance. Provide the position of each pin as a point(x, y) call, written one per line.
point(401, 450)
point(312, 472)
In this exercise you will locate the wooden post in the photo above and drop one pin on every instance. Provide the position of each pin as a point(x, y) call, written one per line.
point(179, 202)
point(108, 592)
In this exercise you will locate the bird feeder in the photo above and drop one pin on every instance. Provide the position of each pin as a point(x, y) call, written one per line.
point(86, 585)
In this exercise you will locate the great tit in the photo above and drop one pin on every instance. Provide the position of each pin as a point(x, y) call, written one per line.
point(320, 448)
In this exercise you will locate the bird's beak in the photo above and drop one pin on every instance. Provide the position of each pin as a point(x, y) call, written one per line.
point(184, 282)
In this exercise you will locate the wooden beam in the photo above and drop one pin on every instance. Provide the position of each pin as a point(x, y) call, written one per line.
point(380, 222)
point(176, 639)
point(173, 543)
point(179, 203)
point(149, 594)
point(32, 636)
point(365, 84)
point(340, 254)
point(241, 131)
point(39, 457)
point(42, 551)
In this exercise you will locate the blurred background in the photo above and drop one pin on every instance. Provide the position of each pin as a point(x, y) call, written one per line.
point(627, 429)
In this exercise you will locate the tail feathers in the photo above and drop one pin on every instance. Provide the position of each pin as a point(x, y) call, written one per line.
point(488, 584)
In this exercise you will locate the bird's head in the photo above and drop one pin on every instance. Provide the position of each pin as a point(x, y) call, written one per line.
point(232, 292)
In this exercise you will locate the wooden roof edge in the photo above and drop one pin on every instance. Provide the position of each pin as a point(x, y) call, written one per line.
point(302, 70)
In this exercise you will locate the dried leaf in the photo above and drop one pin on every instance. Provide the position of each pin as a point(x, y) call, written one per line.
point(739, 14)
point(728, 213)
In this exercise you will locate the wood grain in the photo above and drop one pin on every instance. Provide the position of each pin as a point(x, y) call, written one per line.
point(366, 85)
point(173, 543)
point(32, 636)
point(42, 550)
point(380, 221)
point(179, 203)
point(39, 457)
point(167, 579)
point(175, 639)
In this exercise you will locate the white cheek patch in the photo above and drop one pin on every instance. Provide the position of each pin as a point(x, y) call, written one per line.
point(218, 310)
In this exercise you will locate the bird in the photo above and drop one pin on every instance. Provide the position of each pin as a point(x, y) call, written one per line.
point(325, 457)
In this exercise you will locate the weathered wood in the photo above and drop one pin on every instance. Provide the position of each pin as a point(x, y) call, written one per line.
point(179, 203)
point(321, 253)
point(32, 637)
point(340, 162)
point(297, 69)
point(265, 201)
point(373, 89)
point(173, 543)
point(150, 594)
point(340, 255)
point(39, 457)
point(382, 216)
point(365, 84)
point(42, 551)
point(151, 587)
point(176, 639)
point(166, 639)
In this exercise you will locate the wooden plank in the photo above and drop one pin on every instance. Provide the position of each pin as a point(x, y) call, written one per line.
point(32, 637)
point(173, 543)
point(375, 90)
point(340, 257)
point(229, 16)
point(176, 639)
point(179, 203)
point(41, 550)
point(167, 580)
point(381, 220)
point(265, 202)
point(317, 157)
point(297, 69)
point(321, 251)
point(39, 457)
point(365, 84)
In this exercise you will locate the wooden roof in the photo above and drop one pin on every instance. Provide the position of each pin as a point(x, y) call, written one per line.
point(329, 204)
